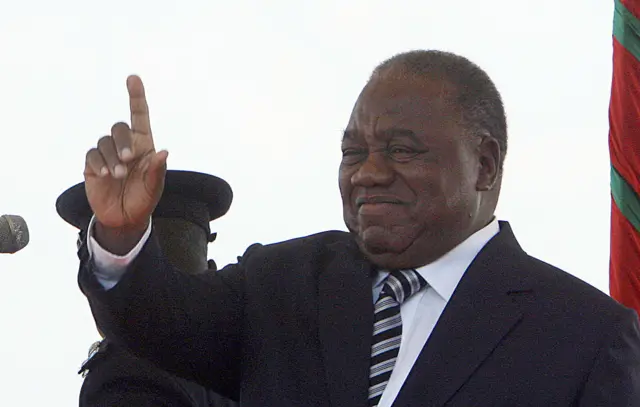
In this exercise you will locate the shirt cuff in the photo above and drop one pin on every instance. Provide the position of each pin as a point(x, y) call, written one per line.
point(109, 267)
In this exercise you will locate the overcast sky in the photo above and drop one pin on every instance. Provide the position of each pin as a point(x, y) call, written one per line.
point(258, 93)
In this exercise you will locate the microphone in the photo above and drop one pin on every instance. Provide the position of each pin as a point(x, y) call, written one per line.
point(14, 233)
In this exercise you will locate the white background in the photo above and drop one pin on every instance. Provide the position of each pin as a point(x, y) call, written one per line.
point(258, 92)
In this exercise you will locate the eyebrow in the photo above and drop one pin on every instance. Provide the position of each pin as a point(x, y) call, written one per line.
point(350, 134)
point(400, 132)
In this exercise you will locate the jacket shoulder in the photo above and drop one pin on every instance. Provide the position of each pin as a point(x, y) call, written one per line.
point(314, 244)
point(566, 291)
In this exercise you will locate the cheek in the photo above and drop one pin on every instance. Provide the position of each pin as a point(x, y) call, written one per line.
point(349, 214)
point(442, 193)
point(458, 195)
point(462, 180)
point(344, 183)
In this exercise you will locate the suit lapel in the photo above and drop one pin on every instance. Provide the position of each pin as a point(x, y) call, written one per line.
point(345, 324)
point(485, 307)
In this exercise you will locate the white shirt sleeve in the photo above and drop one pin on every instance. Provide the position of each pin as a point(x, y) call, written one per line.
point(110, 267)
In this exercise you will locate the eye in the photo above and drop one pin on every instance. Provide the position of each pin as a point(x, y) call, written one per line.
point(402, 153)
point(352, 156)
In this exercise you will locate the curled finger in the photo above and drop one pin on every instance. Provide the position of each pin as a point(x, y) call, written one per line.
point(107, 149)
point(123, 140)
point(94, 164)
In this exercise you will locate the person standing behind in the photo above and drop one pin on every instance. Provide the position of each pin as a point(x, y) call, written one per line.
point(114, 377)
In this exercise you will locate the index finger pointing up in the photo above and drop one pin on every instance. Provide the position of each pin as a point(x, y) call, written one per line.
point(140, 123)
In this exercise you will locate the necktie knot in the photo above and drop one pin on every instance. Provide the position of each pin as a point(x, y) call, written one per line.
point(402, 284)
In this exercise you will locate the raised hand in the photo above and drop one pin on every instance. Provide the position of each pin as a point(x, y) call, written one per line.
point(124, 176)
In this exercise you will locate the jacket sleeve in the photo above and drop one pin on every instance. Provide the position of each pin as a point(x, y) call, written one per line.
point(186, 324)
point(116, 378)
point(615, 377)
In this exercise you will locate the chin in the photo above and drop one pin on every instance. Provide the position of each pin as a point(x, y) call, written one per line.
point(382, 246)
point(385, 260)
point(379, 242)
point(385, 239)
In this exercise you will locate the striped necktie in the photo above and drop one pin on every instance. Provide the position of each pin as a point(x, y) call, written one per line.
point(387, 328)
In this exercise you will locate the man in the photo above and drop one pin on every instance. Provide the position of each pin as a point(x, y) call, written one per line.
point(427, 301)
point(113, 376)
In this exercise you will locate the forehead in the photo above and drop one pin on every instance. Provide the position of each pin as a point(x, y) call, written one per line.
point(416, 105)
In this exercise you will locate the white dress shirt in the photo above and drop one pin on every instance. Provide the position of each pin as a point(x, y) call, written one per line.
point(420, 313)
point(110, 267)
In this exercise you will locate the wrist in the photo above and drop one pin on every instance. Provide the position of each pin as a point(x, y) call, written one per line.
point(119, 240)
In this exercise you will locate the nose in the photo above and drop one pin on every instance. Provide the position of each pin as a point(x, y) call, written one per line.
point(374, 171)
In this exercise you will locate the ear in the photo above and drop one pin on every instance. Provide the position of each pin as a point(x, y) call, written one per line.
point(489, 159)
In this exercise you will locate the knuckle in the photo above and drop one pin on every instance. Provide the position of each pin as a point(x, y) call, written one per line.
point(105, 141)
point(94, 159)
point(90, 154)
point(138, 104)
point(120, 128)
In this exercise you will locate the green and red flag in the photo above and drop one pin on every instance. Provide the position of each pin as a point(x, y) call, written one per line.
point(624, 150)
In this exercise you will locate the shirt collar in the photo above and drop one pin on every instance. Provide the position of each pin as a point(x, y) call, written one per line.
point(444, 274)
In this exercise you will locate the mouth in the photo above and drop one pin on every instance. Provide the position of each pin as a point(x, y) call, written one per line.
point(377, 200)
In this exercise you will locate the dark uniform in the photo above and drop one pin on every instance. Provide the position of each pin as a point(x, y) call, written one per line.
point(113, 377)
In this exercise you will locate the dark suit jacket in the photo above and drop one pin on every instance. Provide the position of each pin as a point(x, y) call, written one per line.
point(116, 378)
point(290, 325)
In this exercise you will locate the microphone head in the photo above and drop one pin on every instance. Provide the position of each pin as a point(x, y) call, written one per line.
point(14, 233)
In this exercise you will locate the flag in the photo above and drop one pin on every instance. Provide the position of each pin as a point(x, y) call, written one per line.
point(624, 152)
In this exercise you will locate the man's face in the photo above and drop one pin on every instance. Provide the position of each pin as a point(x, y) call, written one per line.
point(408, 176)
